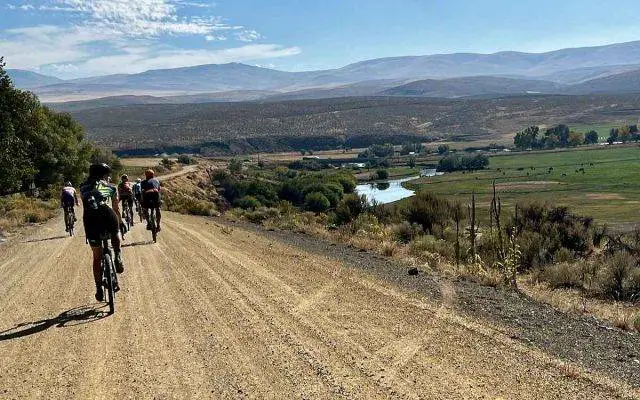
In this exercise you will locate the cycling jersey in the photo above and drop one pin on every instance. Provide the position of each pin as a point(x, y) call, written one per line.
point(99, 219)
point(125, 189)
point(97, 193)
point(68, 196)
point(137, 189)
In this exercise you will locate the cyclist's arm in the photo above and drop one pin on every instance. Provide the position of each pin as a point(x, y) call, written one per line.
point(115, 204)
point(75, 196)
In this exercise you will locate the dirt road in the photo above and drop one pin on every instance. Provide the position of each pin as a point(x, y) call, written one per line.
point(217, 312)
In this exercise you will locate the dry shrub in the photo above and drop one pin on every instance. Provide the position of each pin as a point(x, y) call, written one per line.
point(636, 322)
point(619, 278)
point(623, 321)
point(430, 244)
point(17, 210)
point(190, 205)
point(564, 275)
point(389, 249)
point(405, 232)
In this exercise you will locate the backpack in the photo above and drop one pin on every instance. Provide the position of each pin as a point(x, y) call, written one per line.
point(95, 194)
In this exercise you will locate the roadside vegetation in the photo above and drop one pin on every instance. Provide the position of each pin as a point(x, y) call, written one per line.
point(480, 236)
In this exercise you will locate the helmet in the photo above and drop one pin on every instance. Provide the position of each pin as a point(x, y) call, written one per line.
point(149, 173)
point(138, 180)
point(125, 177)
point(99, 170)
point(68, 184)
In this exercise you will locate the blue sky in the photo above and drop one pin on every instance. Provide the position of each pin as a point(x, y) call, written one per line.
point(76, 38)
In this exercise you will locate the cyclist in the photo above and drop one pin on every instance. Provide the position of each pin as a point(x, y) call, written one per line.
point(69, 199)
point(137, 194)
point(151, 196)
point(100, 219)
point(125, 192)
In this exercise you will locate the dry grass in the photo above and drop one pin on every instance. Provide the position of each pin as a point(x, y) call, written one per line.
point(18, 210)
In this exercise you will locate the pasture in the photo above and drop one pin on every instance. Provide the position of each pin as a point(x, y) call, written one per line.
point(601, 182)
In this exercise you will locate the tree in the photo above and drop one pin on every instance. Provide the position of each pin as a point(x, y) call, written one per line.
point(382, 174)
point(36, 144)
point(443, 149)
point(561, 133)
point(591, 137)
point(412, 162)
point(613, 135)
point(575, 139)
point(528, 138)
point(624, 134)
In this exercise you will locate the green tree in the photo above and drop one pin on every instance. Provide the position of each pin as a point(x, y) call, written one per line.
point(412, 162)
point(591, 137)
point(528, 138)
point(443, 149)
point(575, 139)
point(36, 144)
point(235, 166)
point(382, 174)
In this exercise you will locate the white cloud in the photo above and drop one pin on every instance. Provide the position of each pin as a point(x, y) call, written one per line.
point(174, 58)
point(248, 36)
point(126, 36)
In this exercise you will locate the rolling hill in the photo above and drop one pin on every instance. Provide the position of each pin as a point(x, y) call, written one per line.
point(555, 69)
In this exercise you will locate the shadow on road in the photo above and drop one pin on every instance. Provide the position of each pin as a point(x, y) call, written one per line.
point(75, 316)
point(148, 242)
point(45, 239)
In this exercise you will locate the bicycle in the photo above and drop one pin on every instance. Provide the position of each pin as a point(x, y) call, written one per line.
point(69, 219)
point(127, 214)
point(139, 210)
point(153, 224)
point(109, 276)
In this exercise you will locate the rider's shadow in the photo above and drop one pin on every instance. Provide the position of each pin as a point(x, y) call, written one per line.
point(72, 317)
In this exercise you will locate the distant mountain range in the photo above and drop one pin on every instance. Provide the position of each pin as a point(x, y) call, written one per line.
point(603, 69)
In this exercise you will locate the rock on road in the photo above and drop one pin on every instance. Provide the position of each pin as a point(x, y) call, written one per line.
point(217, 312)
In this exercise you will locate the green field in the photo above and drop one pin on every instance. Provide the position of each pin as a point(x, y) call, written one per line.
point(608, 189)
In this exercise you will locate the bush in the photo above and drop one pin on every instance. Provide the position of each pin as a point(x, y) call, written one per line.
point(428, 211)
point(619, 278)
point(329, 192)
point(248, 203)
point(349, 208)
point(235, 166)
point(564, 275)
point(366, 223)
point(189, 205)
point(429, 244)
point(186, 159)
point(405, 232)
point(382, 174)
point(261, 214)
point(316, 202)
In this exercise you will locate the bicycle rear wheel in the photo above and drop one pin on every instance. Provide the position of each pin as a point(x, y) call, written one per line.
point(108, 272)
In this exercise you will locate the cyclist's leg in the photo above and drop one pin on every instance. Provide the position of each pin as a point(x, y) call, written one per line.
point(158, 216)
point(112, 226)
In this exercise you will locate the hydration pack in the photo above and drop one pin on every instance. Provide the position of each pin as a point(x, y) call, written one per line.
point(93, 194)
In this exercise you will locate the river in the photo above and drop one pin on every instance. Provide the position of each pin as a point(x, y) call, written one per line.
point(385, 192)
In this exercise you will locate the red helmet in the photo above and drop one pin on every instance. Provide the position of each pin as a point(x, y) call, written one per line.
point(149, 174)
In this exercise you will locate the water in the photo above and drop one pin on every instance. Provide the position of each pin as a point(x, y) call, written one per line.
point(385, 192)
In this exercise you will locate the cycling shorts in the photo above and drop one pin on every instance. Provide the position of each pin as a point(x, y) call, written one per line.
point(151, 200)
point(100, 223)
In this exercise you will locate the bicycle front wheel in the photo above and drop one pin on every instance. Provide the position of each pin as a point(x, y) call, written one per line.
point(109, 271)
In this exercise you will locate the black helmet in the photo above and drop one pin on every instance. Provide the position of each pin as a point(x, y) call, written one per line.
point(99, 170)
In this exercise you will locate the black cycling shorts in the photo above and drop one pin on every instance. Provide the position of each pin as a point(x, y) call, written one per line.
point(151, 200)
point(100, 223)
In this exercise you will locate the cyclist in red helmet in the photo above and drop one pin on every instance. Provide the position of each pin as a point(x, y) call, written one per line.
point(151, 196)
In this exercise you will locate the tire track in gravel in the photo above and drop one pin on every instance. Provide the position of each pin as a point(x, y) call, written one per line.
point(209, 312)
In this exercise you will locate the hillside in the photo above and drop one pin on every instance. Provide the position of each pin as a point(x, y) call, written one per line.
point(331, 123)
point(566, 66)
point(626, 82)
point(29, 80)
point(473, 86)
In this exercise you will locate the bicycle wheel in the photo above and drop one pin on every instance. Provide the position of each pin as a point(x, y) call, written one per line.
point(68, 220)
point(108, 272)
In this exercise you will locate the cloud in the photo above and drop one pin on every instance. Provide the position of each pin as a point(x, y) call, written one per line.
point(175, 58)
point(125, 36)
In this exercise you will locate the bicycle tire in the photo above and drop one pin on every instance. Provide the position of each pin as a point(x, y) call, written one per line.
point(108, 271)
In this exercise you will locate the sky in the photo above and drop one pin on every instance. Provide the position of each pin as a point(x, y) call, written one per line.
point(79, 38)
